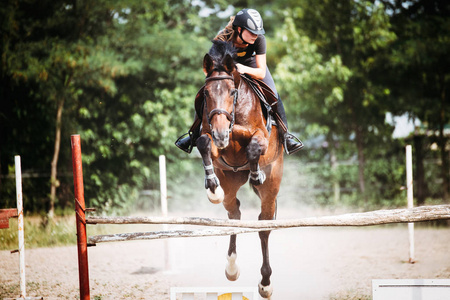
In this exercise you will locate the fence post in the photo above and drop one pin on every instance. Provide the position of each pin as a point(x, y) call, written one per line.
point(83, 269)
point(23, 292)
point(409, 189)
point(164, 209)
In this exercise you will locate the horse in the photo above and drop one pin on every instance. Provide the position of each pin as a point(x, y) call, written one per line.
point(237, 144)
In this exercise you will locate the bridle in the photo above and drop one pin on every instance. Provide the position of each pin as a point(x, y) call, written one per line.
point(219, 111)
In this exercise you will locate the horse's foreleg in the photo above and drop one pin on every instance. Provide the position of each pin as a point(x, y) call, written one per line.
point(212, 184)
point(256, 147)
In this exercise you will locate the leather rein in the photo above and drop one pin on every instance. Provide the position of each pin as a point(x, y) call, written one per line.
point(218, 111)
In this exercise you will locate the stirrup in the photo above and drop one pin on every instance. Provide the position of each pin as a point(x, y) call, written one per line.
point(299, 144)
point(182, 142)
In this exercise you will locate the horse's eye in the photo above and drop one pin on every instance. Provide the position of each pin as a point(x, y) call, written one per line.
point(206, 93)
point(232, 92)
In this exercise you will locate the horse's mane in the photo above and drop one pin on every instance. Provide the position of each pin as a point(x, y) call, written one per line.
point(219, 51)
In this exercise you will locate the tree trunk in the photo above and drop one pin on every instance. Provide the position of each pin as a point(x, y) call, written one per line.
point(442, 141)
point(334, 165)
point(361, 163)
point(360, 148)
point(420, 188)
point(0, 170)
point(53, 177)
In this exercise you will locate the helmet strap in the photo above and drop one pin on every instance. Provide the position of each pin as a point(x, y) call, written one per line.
point(240, 35)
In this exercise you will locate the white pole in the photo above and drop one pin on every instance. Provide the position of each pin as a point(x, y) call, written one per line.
point(20, 225)
point(409, 188)
point(164, 210)
point(163, 185)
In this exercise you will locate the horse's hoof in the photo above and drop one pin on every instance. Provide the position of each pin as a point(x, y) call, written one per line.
point(265, 291)
point(233, 277)
point(232, 269)
point(216, 197)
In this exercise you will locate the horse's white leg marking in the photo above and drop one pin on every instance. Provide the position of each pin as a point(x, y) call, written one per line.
point(257, 177)
point(265, 291)
point(232, 269)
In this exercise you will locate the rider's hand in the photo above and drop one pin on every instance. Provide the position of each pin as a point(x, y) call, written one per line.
point(241, 68)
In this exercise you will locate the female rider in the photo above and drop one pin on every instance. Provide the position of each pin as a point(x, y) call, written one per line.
point(246, 32)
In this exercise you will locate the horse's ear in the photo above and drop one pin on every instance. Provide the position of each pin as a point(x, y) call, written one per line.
point(228, 64)
point(208, 64)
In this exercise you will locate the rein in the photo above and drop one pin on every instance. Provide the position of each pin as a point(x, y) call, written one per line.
point(219, 111)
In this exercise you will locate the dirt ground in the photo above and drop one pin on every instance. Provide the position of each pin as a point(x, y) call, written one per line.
point(307, 263)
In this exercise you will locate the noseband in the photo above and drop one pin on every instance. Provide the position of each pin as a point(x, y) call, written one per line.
point(219, 111)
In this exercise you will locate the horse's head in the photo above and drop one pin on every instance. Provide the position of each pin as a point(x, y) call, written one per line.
point(220, 93)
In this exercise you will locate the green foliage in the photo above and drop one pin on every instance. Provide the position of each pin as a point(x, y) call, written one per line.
point(126, 73)
point(313, 87)
point(339, 86)
point(127, 79)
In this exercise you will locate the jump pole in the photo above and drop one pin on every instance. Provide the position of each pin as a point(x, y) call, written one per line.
point(379, 217)
point(80, 209)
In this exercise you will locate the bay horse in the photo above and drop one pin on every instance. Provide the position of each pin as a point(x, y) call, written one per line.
point(237, 146)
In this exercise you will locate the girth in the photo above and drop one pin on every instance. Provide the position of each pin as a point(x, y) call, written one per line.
point(225, 166)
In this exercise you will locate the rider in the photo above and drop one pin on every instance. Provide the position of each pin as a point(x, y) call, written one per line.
point(246, 32)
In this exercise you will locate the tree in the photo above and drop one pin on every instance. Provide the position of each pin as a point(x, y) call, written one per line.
point(348, 36)
point(115, 72)
point(419, 74)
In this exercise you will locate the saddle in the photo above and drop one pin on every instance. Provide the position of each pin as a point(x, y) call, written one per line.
point(265, 94)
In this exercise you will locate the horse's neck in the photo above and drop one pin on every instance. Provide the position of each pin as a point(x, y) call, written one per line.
point(249, 108)
point(245, 87)
point(237, 78)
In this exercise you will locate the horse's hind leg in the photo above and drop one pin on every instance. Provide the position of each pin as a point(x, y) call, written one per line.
point(265, 287)
point(232, 270)
point(231, 182)
point(268, 193)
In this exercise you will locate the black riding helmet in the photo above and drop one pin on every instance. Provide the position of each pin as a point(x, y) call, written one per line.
point(249, 19)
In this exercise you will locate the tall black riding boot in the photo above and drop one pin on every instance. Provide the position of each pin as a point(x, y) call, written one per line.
point(187, 141)
point(292, 144)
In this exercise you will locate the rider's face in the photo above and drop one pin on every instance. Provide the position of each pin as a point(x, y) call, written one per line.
point(247, 36)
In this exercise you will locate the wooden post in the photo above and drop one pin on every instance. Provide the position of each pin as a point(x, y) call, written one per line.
point(83, 269)
point(409, 188)
point(23, 292)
